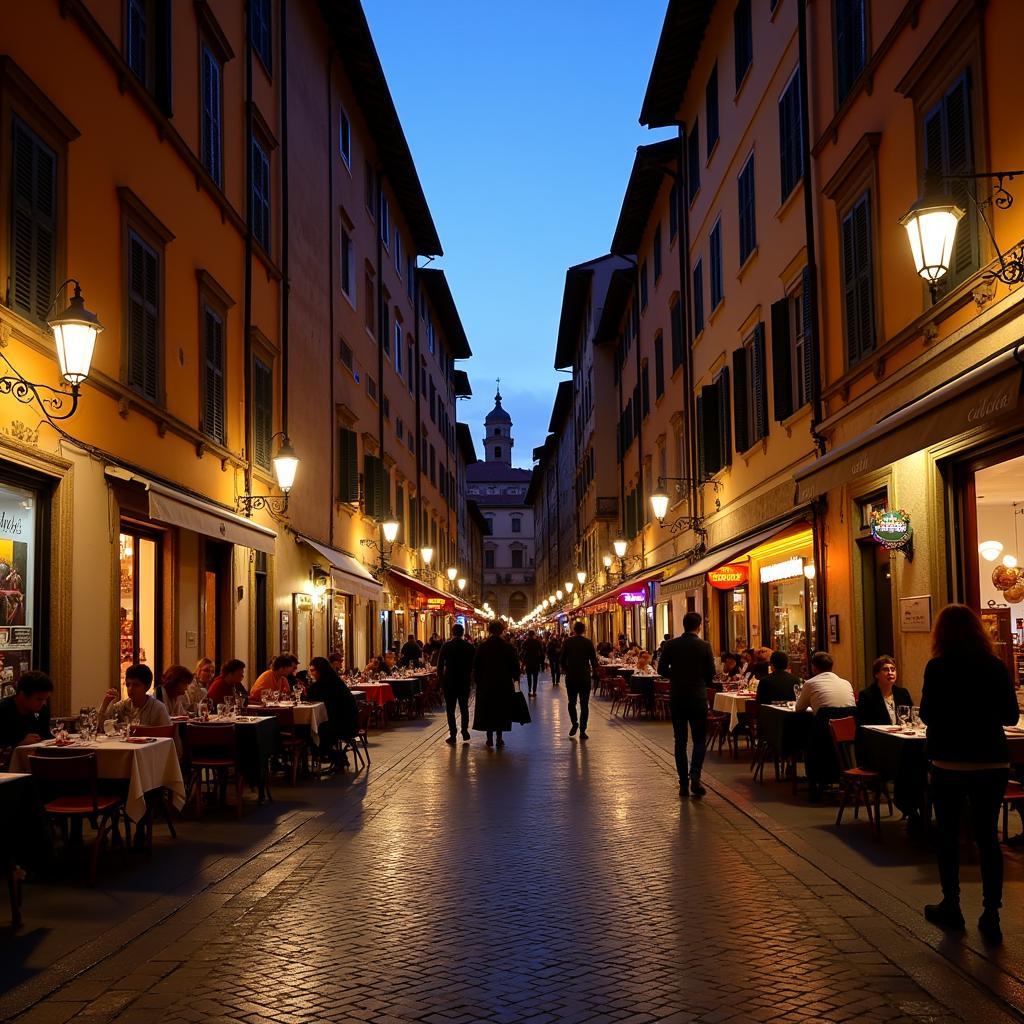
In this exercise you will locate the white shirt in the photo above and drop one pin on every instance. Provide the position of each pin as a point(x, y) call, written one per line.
point(826, 690)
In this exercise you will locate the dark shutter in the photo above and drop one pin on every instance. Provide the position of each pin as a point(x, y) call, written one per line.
point(715, 270)
point(857, 281)
point(34, 227)
point(710, 429)
point(782, 361)
point(213, 375)
point(810, 367)
point(748, 219)
point(143, 318)
point(743, 41)
point(724, 420)
point(374, 481)
point(701, 444)
point(413, 526)
point(741, 397)
point(693, 162)
point(659, 365)
point(259, 201)
point(162, 85)
point(676, 314)
point(711, 110)
point(135, 39)
point(851, 44)
point(262, 412)
point(758, 385)
point(348, 465)
point(645, 390)
point(630, 515)
point(790, 136)
point(698, 297)
point(211, 114)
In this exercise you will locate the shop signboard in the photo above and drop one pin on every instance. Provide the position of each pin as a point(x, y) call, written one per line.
point(728, 577)
point(891, 528)
point(916, 614)
point(437, 604)
point(628, 598)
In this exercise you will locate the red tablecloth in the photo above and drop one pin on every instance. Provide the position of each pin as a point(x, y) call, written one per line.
point(377, 693)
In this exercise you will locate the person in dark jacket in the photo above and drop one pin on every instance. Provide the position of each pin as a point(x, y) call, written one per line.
point(455, 671)
point(342, 712)
point(25, 716)
point(579, 660)
point(877, 703)
point(532, 654)
point(411, 655)
point(779, 683)
point(555, 658)
point(967, 699)
point(495, 671)
point(689, 664)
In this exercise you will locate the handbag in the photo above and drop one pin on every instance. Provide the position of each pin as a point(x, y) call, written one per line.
point(518, 709)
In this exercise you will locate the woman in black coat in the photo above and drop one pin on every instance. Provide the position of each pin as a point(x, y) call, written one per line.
point(340, 705)
point(495, 672)
point(877, 703)
point(968, 697)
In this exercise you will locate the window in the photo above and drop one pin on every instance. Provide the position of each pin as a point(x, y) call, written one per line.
point(858, 284)
point(345, 138)
point(398, 345)
point(517, 558)
point(33, 254)
point(948, 150)
point(750, 403)
point(673, 212)
point(643, 285)
point(211, 130)
point(259, 207)
point(698, 297)
point(370, 190)
point(213, 375)
point(713, 434)
point(259, 12)
point(743, 40)
point(375, 487)
point(140, 602)
point(410, 279)
point(371, 388)
point(347, 359)
point(385, 323)
point(348, 266)
point(659, 365)
point(692, 163)
point(399, 258)
point(433, 465)
point(791, 140)
point(657, 254)
point(385, 221)
point(369, 318)
point(851, 44)
point(711, 111)
point(792, 356)
point(497, 452)
point(399, 428)
point(147, 47)
point(262, 412)
point(645, 390)
point(715, 261)
point(517, 524)
point(748, 219)
point(143, 323)
point(410, 366)
point(489, 558)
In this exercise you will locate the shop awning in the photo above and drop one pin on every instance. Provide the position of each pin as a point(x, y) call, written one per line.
point(347, 574)
point(984, 394)
point(425, 590)
point(178, 508)
point(693, 575)
point(610, 596)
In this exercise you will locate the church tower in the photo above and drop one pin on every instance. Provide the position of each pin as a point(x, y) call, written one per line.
point(498, 434)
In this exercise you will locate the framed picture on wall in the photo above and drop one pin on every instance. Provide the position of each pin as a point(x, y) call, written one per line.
point(286, 631)
point(833, 629)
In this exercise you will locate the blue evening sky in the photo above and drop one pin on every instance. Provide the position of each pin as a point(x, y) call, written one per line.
point(522, 120)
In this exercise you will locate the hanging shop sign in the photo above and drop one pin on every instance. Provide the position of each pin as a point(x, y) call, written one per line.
point(437, 604)
point(728, 577)
point(891, 528)
point(787, 570)
point(631, 597)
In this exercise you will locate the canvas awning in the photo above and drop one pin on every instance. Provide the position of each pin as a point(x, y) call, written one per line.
point(347, 574)
point(985, 394)
point(165, 504)
point(425, 590)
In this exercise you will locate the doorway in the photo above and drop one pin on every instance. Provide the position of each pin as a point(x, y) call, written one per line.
point(876, 589)
point(216, 601)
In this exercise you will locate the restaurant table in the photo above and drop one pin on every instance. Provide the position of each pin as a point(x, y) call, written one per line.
point(378, 693)
point(144, 766)
point(733, 704)
point(256, 737)
point(785, 731)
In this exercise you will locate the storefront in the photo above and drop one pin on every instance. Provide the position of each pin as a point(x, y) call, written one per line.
point(422, 610)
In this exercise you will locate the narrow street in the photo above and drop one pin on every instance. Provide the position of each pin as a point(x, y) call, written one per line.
point(553, 880)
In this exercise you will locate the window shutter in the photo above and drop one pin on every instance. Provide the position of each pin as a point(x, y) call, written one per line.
point(810, 365)
point(34, 228)
point(373, 478)
point(645, 382)
point(782, 361)
point(637, 411)
point(857, 283)
point(960, 160)
point(741, 397)
point(677, 335)
point(724, 420)
point(701, 445)
point(211, 140)
point(213, 375)
point(711, 428)
point(413, 526)
point(790, 136)
point(759, 391)
point(630, 515)
point(659, 365)
point(693, 162)
point(348, 465)
point(263, 412)
point(711, 109)
point(143, 318)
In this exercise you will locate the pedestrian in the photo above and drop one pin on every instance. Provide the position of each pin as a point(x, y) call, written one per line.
point(455, 671)
point(967, 698)
point(555, 658)
point(828, 696)
point(579, 660)
point(495, 672)
point(532, 654)
point(689, 664)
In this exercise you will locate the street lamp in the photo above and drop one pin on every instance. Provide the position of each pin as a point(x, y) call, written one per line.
point(452, 572)
point(390, 529)
point(558, 594)
point(659, 504)
point(931, 227)
point(568, 587)
point(581, 577)
point(427, 554)
point(286, 465)
point(607, 561)
point(460, 583)
point(810, 571)
point(620, 544)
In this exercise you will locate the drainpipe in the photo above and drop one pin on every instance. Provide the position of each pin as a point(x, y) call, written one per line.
point(686, 320)
point(247, 299)
point(331, 217)
point(285, 284)
point(416, 396)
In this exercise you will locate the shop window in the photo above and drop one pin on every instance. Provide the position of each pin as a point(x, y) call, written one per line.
point(139, 598)
point(20, 621)
point(261, 608)
point(787, 596)
point(216, 601)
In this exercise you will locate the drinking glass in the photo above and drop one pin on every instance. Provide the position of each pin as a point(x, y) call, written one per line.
point(109, 727)
point(915, 717)
point(221, 709)
point(903, 716)
point(797, 687)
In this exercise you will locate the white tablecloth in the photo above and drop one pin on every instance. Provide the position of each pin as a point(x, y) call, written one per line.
point(311, 715)
point(146, 766)
point(733, 704)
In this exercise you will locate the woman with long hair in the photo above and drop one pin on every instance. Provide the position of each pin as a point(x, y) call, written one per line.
point(342, 713)
point(968, 697)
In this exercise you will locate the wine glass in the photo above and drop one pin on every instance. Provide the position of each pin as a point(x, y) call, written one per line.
point(797, 687)
point(903, 716)
point(109, 728)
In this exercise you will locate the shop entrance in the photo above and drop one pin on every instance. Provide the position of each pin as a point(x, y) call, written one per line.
point(876, 588)
point(139, 610)
point(733, 619)
point(216, 600)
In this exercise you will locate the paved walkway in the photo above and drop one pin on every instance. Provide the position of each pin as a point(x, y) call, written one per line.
point(553, 880)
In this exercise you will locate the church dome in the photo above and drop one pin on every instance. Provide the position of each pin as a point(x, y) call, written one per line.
point(497, 414)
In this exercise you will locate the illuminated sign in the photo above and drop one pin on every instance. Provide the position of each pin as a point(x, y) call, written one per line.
point(787, 570)
point(891, 528)
point(437, 604)
point(729, 576)
point(628, 597)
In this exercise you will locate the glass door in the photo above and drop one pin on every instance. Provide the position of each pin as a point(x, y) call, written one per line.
point(139, 608)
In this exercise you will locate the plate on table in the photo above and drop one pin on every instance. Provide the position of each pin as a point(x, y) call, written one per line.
point(141, 739)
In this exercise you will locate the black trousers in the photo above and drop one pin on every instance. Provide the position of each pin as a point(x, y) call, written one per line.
point(556, 673)
point(982, 793)
point(689, 715)
point(457, 695)
point(531, 679)
point(578, 689)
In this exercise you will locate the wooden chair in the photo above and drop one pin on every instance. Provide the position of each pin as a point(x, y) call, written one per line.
point(169, 732)
point(212, 755)
point(358, 743)
point(746, 728)
point(856, 783)
point(1013, 797)
point(69, 785)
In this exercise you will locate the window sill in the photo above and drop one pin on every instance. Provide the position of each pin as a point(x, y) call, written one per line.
point(784, 206)
point(743, 82)
point(712, 152)
point(713, 315)
point(745, 265)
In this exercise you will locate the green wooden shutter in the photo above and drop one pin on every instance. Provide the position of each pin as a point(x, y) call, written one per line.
point(34, 223)
point(724, 420)
point(758, 385)
point(741, 397)
point(710, 429)
point(857, 281)
point(659, 365)
point(348, 465)
point(702, 467)
point(263, 412)
point(810, 364)
point(143, 318)
point(782, 361)
point(213, 375)
point(373, 481)
point(677, 335)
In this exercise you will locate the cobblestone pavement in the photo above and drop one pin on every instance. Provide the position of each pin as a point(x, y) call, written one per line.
point(553, 880)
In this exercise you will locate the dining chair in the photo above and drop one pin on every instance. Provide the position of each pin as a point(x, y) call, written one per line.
point(70, 792)
point(169, 732)
point(854, 782)
point(212, 754)
point(1013, 797)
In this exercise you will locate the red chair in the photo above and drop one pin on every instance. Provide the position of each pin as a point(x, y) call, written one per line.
point(1013, 797)
point(169, 732)
point(856, 783)
point(69, 786)
point(212, 754)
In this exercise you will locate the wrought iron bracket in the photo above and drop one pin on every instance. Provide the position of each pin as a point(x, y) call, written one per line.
point(276, 505)
point(55, 404)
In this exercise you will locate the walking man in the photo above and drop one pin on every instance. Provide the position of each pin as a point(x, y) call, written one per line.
point(555, 657)
point(689, 664)
point(455, 669)
point(532, 655)
point(579, 659)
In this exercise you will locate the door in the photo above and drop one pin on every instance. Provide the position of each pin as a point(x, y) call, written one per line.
point(216, 602)
point(876, 589)
point(139, 606)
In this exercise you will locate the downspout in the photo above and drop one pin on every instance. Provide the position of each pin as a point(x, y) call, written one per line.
point(416, 395)
point(686, 319)
point(331, 217)
point(821, 576)
point(285, 283)
point(247, 299)
point(638, 416)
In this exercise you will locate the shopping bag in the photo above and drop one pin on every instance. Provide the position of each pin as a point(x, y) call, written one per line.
point(518, 709)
